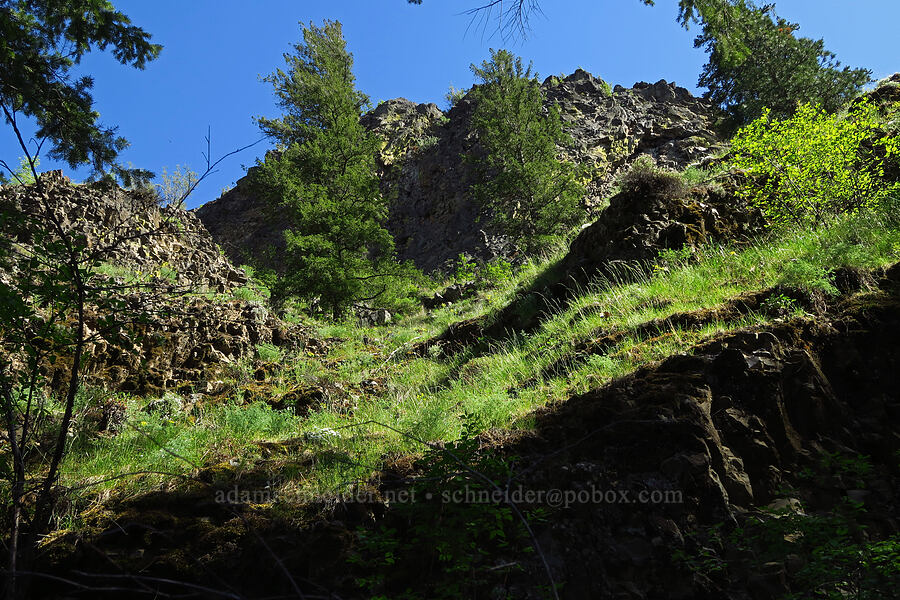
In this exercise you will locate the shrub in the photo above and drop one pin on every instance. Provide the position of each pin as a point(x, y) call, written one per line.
point(464, 269)
point(484, 274)
point(453, 96)
point(249, 294)
point(496, 272)
point(176, 186)
point(644, 178)
point(814, 164)
point(780, 304)
point(23, 175)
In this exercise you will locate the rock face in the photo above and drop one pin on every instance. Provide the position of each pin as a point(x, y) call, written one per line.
point(168, 285)
point(141, 236)
point(639, 223)
point(611, 129)
point(433, 216)
point(186, 347)
point(731, 427)
point(242, 225)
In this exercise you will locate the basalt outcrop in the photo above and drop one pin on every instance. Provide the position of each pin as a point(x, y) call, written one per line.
point(130, 230)
point(164, 307)
point(640, 223)
point(433, 215)
point(739, 426)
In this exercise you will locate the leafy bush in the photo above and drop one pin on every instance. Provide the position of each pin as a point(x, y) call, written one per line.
point(249, 294)
point(22, 175)
point(484, 274)
point(605, 87)
point(464, 269)
point(814, 165)
point(176, 186)
point(671, 257)
point(806, 274)
point(780, 304)
point(496, 272)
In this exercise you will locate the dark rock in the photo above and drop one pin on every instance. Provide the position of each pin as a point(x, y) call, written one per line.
point(433, 216)
point(639, 224)
point(730, 427)
point(180, 340)
point(453, 293)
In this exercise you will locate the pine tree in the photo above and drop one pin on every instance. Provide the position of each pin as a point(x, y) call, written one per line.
point(756, 62)
point(40, 42)
point(323, 178)
point(527, 189)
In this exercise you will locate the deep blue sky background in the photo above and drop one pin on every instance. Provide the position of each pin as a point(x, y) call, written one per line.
point(215, 51)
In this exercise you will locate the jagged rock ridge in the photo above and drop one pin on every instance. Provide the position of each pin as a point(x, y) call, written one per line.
point(140, 234)
point(184, 322)
point(433, 217)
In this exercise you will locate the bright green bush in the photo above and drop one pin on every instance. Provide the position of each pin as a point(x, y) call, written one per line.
point(815, 164)
point(485, 274)
point(465, 268)
point(497, 272)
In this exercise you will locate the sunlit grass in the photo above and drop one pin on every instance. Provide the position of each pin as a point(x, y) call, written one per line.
point(497, 383)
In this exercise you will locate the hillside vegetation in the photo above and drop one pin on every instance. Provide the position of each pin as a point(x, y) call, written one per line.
point(355, 412)
point(562, 340)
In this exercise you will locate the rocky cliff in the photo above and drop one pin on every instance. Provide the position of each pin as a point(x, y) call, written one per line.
point(131, 231)
point(155, 271)
point(433, 216)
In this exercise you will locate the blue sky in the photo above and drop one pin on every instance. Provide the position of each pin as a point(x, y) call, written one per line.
point(215, 51)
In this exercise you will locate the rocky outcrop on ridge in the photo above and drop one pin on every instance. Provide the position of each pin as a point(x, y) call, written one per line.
point(612, 128)
point(173, 291)
point(131, 231)
point(433, 216)
point(638, 224)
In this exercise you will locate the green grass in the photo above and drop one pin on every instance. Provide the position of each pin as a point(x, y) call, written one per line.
point(495, 384)
point(153, 444)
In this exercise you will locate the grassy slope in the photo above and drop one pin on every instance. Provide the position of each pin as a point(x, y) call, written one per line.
point(434, 397)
